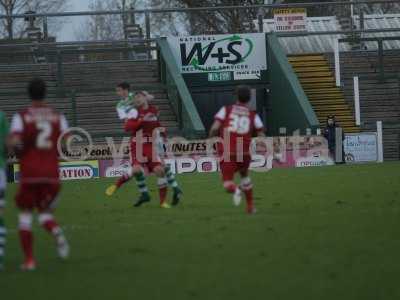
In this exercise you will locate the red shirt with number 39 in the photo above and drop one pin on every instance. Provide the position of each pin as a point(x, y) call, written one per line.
point(239, 124)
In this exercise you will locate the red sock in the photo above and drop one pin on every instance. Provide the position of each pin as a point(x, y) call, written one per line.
point(123, 179)
point(26, 239)
point(51, 227)
point(163, 194)
point(249, 200)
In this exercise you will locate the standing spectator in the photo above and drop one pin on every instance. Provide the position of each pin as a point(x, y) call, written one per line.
point(330, 135)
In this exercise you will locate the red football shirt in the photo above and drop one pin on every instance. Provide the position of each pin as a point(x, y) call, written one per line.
point(149, 119)
point(144, 121)
point(239, 125)
point(39, 128)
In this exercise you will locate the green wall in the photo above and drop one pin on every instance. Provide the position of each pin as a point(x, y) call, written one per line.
point(288, 104)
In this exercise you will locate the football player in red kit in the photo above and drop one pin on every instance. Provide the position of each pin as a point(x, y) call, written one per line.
point(146, 144)
point(236, 125)
point(34, 136)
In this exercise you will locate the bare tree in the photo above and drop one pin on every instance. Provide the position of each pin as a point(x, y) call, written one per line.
point(164, 24)
point(15, 27)
point(106, 27)
point(200, 22)
point(223, 21)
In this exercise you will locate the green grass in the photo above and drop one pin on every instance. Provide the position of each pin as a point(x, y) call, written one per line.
point(321, 233)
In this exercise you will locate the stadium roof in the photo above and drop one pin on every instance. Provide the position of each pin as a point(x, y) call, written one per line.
point(381, 21)
point(314, 43)
point(324, 43)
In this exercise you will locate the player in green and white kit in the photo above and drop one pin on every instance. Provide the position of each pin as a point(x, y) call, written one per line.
point(127, 107)
point(126, 103)
point(3, 158)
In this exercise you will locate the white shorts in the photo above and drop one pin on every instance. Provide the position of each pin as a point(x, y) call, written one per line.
point(3, 182)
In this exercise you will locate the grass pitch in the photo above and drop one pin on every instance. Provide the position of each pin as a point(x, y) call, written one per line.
point(320, 233)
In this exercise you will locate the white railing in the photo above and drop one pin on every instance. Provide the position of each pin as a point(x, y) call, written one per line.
point(357, 101)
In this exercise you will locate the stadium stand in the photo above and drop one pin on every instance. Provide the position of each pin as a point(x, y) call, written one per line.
point(109, 74)
point(103, 119)
point(93, 86)
point(379, 97)
point(318, 81)
point(374, 21)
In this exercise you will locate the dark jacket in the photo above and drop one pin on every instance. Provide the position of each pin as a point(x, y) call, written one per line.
point(330, 135)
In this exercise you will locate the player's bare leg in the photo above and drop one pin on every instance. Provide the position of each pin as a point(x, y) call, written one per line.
point(3, 231)
point(177, 192)
point(120, 182)
point(231, 188)
point(237, 196)
point(162, 186)
point(26, 239)
point(48, 222)
point(247, 187)
point(228, 170)
point(141, 183)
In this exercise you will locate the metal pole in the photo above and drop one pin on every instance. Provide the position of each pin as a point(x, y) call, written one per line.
point(124, 23)
point(352, 10)
point(147, 21)
point(362, 26)
point(148, 32)
point(337, 62)
point(362, 21)
point(380, 58)
point(209, 8)
point(260, 17)
point(45, 29)
point(379, 133)
point(357, 100)
point(339, 145)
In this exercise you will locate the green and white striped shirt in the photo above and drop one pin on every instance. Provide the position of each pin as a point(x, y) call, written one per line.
point(124, 106)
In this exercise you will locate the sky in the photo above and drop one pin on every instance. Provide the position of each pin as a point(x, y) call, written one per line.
point(74, 23)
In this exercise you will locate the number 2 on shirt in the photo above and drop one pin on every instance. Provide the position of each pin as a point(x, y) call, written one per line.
point(42, 139)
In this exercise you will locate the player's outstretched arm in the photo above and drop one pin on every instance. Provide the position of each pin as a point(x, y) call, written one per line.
point(215, 128)
point(259, 127)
